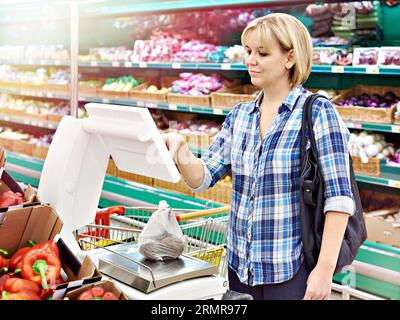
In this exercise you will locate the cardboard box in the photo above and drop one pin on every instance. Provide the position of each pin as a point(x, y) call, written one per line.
point(106, 285)
point(381, 231)
point(40, 223)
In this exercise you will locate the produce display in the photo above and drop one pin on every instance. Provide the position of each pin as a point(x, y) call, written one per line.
point(370, 145)
point(389, 56)
point(31, 273)
point(9, 198)
point(365, 56)
point(121, 84)
point(331, 55)
point(371, 101)
point(47, 52)
point(96, 293)
point(197, 84)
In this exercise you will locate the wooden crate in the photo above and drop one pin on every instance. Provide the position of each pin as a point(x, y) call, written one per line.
point(179, 187)
point(221, 193)
point(367, 114)
point(162, 82)
point(24, 147)
point(54, 117)
point(112, 168)
point(187, 100)
point(229, 97)
point(40, 152)
point(372, 168)
point(57, 87)
point(7, 144)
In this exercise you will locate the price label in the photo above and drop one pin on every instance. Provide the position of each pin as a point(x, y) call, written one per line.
point(372, 69)
point(173, 107)
point(337, 69)
point(34, 123)
point(30, 61)
point(50, 95)
point(106, 101)
point(42, 62)
point(93, 63)
point(26, 121)
point(142, 64)
point(218, 111)
point(115, 64)
point(140, 103)
point(225, 66)
point(40, 94)
point(7, 118)
point(40, 124)
point(50, 126)
point(394, 184)
point(57, 62)
point(350, 124)
point(128, 64)
point(396, 129)
point(176, 65)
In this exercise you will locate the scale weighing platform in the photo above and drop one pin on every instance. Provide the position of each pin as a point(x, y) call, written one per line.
point(71, 182)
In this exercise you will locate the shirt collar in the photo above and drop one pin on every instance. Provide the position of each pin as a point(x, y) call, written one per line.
point(288, 103)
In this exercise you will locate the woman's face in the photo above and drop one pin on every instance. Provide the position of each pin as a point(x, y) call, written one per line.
point(266, 67)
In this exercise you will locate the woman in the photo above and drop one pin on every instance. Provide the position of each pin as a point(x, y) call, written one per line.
point(260, 143)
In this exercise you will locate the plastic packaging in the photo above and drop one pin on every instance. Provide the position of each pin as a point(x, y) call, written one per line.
point(161, 238)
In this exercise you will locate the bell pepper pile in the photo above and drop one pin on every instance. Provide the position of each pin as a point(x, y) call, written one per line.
point(32, 273)
point(10, 198)
point(96, 293)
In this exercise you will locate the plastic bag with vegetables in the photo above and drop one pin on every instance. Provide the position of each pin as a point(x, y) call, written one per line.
point(161, 239)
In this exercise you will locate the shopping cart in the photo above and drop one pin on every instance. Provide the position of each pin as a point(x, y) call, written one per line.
point(205, 231)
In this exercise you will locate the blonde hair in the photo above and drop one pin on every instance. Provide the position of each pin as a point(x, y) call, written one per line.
point(291, 34)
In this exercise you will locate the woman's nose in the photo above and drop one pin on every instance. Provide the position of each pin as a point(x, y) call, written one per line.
point(250, 60)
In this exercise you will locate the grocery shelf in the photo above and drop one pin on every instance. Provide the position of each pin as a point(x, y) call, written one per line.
point(382, 127)
point(29, 122)
point(386, 179)
point(202, 66)
point(35, 93)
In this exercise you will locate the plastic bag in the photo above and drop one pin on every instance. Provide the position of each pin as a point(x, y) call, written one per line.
point(162, 238)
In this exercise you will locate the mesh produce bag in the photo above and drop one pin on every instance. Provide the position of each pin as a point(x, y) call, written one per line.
point(162, 238)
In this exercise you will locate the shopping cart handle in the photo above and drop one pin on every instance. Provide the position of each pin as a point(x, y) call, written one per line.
point(202, 213)
point(116, 210)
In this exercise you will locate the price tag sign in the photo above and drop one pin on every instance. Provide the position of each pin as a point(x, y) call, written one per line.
point(57, 62)
point(50, 126)
point(394, 184)
point(140, 103)
point(396, 129)
point(30, 61)
point(337, 69)
point(115, 64)
point(225, 66)
point(372, 69)
point(93, 63)
point(40, 124)
point(173, 107)
point(40, 94)
point(106, 101)
point(7, 118)
point(42, 62)
point(50, 95)
point(34, 123)
point(128, 64)
point(142, 64)
point(218, 111)
point(176, 65)
point(26, 121)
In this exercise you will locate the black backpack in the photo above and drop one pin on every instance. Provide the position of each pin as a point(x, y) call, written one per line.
point(312, 202)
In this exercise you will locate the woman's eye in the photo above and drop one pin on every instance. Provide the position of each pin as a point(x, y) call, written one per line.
point(263, 54)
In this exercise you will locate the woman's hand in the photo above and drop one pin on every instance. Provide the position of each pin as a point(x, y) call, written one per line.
point(319, 284)
point(174, 141)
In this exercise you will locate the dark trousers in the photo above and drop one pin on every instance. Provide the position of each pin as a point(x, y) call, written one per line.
point(293, 289)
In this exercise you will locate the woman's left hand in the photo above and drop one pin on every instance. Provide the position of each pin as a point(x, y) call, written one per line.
point(319, 284)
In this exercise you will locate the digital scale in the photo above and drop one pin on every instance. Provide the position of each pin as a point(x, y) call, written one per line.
point(71, 182)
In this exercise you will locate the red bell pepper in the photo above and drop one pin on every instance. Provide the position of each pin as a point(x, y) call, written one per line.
point(41, 266)
point(3, 280)
point(16, 259)
point(21, 295)
point(3, 261)
point(49, 246)
point(10, 198)
point(15, 285)
point(96, 293)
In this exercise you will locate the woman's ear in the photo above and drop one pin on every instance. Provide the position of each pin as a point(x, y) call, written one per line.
point(289, 59)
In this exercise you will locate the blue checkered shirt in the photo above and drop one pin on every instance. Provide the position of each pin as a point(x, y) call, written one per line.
point(264, 238)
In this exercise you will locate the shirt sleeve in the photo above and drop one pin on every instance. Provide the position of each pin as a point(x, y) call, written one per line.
point(332, 137)
point(217, 158)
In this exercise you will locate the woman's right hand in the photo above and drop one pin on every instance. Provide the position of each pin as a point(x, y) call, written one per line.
point(174, 141)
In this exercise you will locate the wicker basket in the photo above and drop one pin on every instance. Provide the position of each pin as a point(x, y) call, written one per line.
point(36, 116)
point(396, 118)
point(89, 90)
point(163, 82)
point(381, 115)
point(40, 152)
point(24, 147)
point(113, 94)
point(187, 100)
point(134, 177)
point(179, 187)
point(7, 144)
point(57, 87)
point(372, 168)
point(229, 97)
point(54, 117)
point(9, 84)
point(221, 193)
point(112, 168)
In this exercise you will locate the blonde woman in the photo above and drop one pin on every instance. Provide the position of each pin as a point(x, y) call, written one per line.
point(260, 144)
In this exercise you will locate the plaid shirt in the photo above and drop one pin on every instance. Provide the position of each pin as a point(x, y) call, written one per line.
point(264, 238)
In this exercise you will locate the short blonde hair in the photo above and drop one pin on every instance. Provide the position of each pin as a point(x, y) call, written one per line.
point(291, 34)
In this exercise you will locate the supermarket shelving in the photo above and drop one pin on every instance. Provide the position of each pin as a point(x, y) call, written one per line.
point(30, 122)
